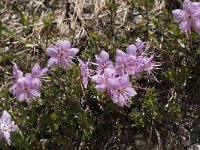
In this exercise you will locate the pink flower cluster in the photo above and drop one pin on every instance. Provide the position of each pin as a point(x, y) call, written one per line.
point(27, 86)
point(189, 16)
point(6, 126)
point(114, 79)
point(109, 77)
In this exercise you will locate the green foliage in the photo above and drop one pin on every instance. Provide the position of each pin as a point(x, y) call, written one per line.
point(19, 141)
point(94, 39)
point(150, 106)
point(137, 117)
point(24, 19)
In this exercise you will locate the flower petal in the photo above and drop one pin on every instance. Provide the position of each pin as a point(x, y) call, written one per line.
point(104, 56)
point(120, 53)
point(73, 51)
point(5, 118)
point(101, 87)
point(65, 63)
point(16, 72)
point(64, 45)
point(35, 83)
point(36, 68)
point(96, 79)
point(6, 136)
point(139, 44)
point(124, 81)
point(21, 97)
point(52, 62)
point(34, 94)
point(185, 26)
point(44, 71)
point(131, 49)
point(12, 126)
point(52, 51)
point(130, 91)
point(178, 14)
point(109, 72)
point(196, 25)
point(196, 4)
point(187, 6)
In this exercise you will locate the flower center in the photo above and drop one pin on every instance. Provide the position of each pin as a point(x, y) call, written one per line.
point(119, 90)
point(25, 87)
point(190, 17)
point(123, 66)
point(105, 65)
point(62, 54)
point(4, 127)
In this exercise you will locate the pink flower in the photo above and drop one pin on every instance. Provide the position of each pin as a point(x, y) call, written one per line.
point(123, 91)
point(139, 44)
point(125, 63)
point(16, 72)
point(143, 63)
point(26, 88)
point(103, 61)
point(37, 72)
point(135, 49)
point(85, 72)
point(6, 126)
point(106, 81)
point(148, 63)
point(189, 16)
point(120, 62)
point(61, 54)
point(131, 50)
